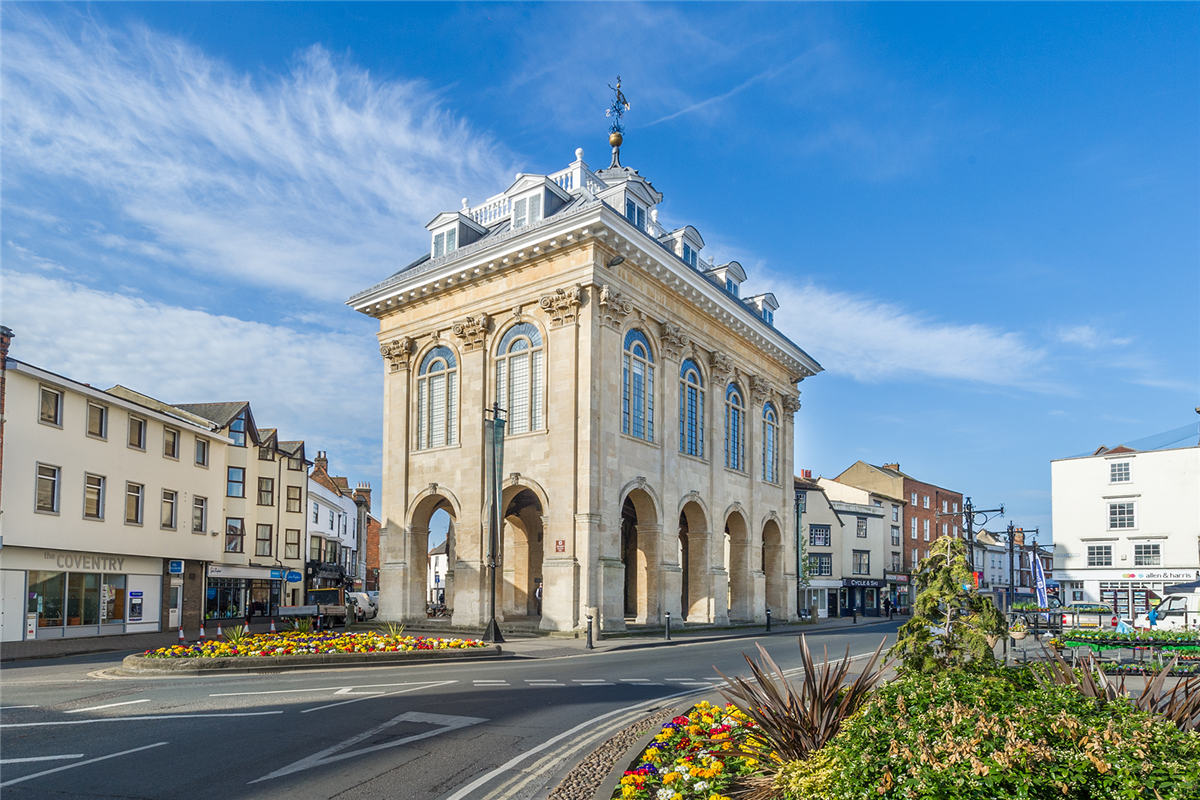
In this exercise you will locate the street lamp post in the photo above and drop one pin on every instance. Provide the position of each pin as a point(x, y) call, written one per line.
point(969, 513)
point(493, 447)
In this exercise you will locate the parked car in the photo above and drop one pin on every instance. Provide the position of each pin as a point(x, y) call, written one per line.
point(364, 607)
point(1176, 612)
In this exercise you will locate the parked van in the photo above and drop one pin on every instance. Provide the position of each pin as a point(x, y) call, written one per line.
point(365, 608)
point(1176, 612)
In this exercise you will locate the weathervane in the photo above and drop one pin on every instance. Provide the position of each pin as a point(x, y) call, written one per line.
point(617, 110)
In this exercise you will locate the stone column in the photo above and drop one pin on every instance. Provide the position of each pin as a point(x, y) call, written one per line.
point(415, 571)
point(700, 576)
point(471, 577)
point(394, 568)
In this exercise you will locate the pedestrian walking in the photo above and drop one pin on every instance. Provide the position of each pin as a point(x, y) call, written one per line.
point(537, 595)
point(887, 607)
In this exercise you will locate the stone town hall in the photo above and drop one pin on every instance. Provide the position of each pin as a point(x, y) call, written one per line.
point(648, 456)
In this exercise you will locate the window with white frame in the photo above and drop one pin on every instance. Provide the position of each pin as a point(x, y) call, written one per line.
point(201, 452)
point(637, 387)
point(1147, 555)
point(820, 564)
point(895, 513)
point(860, 527)
point(914, 499)
point(93, 496)
point(691, 409)
point(635, 213)
point(1118, 472)
point(770, 434)
point(915, 560)
point(732, 287)
point(945, 506)
point(689, 255)
point(896, 561)
point(262, 540)
point(895, 534)
point(437, 399)
point(199, 514)
point(925, 501)
point(528, 210)
point(956, 508)
point(925, 531)
point(735, 433)
point(861, 562)
point(1099, 555)
point(945, 529)
point(820, 535)
point(1121, 515)
point(447, 241)
point(97, 421)
point(913, 526)
point(519, 381)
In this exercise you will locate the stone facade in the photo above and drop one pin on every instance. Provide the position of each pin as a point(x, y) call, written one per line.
point(621, 525)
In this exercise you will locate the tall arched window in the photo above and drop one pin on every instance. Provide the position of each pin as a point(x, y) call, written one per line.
point(691, 409)
point(735, 428)
point(770, 434)
point(637, 403)
point(437, 399)
point(519, 369)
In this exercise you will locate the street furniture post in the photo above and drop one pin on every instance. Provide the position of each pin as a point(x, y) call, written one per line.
point(668, 626)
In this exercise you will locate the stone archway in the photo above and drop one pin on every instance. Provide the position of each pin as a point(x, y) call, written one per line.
point(773, 569)
point(739, 563)
point(695, 596)
point(413, 591)
point(522, 538)
point(640, 532)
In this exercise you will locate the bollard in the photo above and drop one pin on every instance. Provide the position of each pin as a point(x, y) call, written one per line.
point(854, 613)
point(589, 645)
point(668, 626)
point(768, 620)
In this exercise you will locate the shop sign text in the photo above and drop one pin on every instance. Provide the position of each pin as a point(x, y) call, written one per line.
point(78, 561)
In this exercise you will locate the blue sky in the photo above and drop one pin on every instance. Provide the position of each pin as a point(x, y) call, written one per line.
point(981, 218)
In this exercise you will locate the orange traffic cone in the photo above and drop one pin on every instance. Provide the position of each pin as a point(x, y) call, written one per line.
point(220, 633)
point(201, 631)
point(182, 639)
point(272, 624)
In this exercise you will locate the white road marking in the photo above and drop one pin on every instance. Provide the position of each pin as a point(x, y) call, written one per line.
point(379, 694)
point(109, 705)
point(131, 719)
point(331, 754)
point(592, 682)
point(39, 758)
point(640, 682)
point(334, 689)
point(491, 683)
point(10, 708)
point(677, 680)
point(80, 764)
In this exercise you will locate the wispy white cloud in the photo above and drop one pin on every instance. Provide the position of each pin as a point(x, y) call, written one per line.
point(322, 387)
point(318, 181)
point(871, 341)
point(1089, 337)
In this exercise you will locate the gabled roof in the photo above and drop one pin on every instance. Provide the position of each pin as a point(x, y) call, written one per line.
point(440, 550)
point(220, 413)
point(126, 393)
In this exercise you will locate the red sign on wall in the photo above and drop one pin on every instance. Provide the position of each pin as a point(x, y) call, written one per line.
point(560, 545)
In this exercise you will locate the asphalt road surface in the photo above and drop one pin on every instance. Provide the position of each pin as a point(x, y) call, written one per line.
point(500, 729)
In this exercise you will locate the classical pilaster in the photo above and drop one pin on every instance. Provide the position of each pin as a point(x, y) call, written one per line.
point(394, 564)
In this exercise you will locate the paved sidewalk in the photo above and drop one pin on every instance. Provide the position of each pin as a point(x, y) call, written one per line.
point(527, 646)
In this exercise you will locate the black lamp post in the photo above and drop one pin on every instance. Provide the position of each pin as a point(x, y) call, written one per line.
point(493, 445)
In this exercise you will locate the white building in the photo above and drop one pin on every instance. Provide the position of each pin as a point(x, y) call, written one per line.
point(1127, 521)
point(436, 579)
point(822, 536)
point(333, 523)
point(111, 509)
point(865, 536)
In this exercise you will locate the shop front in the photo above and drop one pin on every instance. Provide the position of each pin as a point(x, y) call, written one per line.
point(56, 594)
point(236, 592)
point(1128, 592)
point(864, 595)
point(821, 595)
point(897, 591)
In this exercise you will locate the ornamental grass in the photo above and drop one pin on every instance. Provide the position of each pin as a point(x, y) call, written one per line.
point(292, 643)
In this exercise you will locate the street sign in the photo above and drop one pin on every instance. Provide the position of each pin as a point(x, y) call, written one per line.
point(560, 545)
point(294, 577)
point(175, 567)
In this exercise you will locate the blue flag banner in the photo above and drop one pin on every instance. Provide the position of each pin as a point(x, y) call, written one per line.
point(1039, 580)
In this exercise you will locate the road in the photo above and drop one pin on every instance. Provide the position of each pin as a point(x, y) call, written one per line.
point(500, 729)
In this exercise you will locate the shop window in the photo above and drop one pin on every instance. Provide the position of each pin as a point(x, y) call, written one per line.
point(83, 598)
point(170, 443)
point(266, 491)
point(113, 598)
point(137, 432)
point(235, 534)
point(50, 407)
point(294, 501)
point(262, 540)
point(134, 499)
point(225, 598)
point(93, 496)
point(47, 592)
point(97, 421)
point(48, 479)
point(169, 501)
point(291, 544)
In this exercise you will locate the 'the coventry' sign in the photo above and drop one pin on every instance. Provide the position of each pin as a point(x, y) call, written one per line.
point(79, 561)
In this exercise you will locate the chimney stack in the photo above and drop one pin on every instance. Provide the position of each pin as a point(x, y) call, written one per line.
point(892, 466)
point(362, 494)
point(321, 461)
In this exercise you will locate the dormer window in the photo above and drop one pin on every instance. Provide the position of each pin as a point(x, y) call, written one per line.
point(635, 214)
point(765, 305)
point(690, 256)
point(731, 286)
point(527, 211)
point(445, 242)
point(769, 316)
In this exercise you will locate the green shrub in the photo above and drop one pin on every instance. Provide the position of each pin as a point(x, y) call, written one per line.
point(962, 736)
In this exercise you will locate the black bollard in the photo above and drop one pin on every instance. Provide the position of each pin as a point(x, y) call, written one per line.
point(589, 633)
point(854, 613)
point(768, 620)
point(668, 626)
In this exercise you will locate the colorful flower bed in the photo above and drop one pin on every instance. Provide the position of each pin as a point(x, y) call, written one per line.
point(1180, 670)
point(693, 758)
point(291, 643)
point(1107, 640)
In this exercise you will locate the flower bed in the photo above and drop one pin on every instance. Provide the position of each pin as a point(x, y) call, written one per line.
point(1110, 640)
point(292, 643)
point(1180, 670)
point(692, 758)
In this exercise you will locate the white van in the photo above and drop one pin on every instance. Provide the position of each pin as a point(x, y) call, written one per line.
point(1176, 612)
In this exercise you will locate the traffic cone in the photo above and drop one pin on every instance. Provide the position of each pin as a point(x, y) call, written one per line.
point(202, 631)
point(182, 639)
point(272, 624)
point(220, 633)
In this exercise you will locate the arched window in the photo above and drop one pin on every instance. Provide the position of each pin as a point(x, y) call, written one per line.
point(770, 444)
point(735, 428)
point(437, 399)
point(637, 403)
point(519, 369)
point(691, 409)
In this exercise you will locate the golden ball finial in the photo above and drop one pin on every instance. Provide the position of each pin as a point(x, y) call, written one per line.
point(615, 139)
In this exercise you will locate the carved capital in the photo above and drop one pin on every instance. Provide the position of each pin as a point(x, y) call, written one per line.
point(674, 340)
point(641, 481)
point(614, 308)
point(760, 388)
point(791, 404)
point(398, 352)
point(721, 366)
point(473, 331)
point(562, 306)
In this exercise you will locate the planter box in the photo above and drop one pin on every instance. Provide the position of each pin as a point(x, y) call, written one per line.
point(142, 665)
